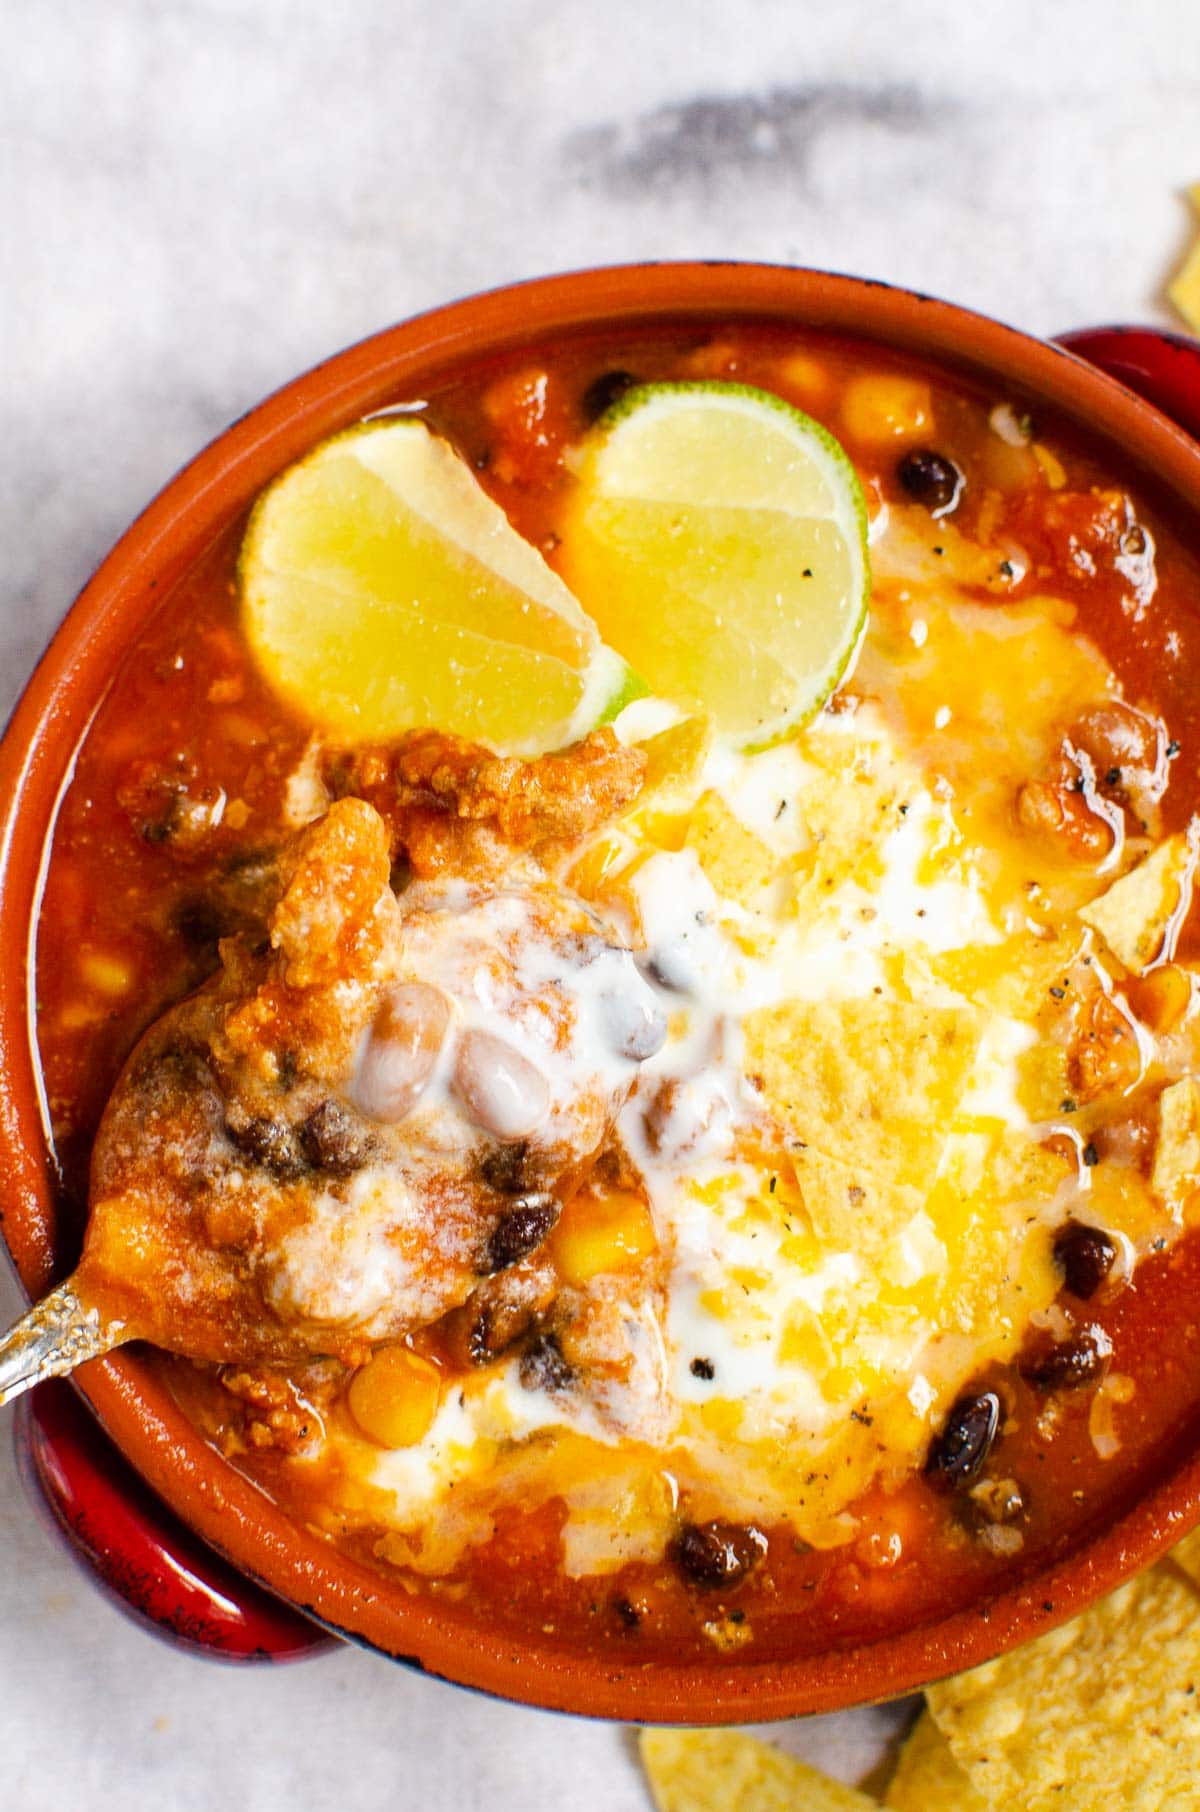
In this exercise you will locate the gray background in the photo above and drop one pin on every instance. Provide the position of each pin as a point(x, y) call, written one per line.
point(198, 199)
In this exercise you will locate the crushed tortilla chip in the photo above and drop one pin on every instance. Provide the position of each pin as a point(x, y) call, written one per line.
point(739, 864)
point(927, 1777)
point(1184, 288)
point(1134, 914)
point(873, 1080)
point(1186, 1554)
point(725, 1771)
point(1104, 1712)
point(674, 758)
point(1176, 1170)
point(845, 1205)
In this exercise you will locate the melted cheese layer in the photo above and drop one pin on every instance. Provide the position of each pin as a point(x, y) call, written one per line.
point(844, 1135)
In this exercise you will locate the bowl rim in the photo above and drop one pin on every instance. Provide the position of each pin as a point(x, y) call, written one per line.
point(36, 759)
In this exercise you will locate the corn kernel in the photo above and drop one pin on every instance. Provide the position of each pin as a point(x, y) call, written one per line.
point(807, 377)
point(106, 974)
point(1162, 997)
point(395, 1397)
point(1053, 470)
point(882, 406)
point(666, 830)
point(75, 1017)
point(602, 1233)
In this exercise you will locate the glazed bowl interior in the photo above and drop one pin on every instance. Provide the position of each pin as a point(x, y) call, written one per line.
point(35, 760)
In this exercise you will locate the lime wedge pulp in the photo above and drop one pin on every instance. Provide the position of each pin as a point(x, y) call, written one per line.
point(719, 539)
point(382, 590)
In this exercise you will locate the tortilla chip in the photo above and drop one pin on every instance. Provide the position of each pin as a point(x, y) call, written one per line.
point(871, 1082)
point(1133, 915)
point(1176, 1170)
point(1186, 1554)
point(1013, 977)
point(1184, 288)
point(927, 1777)
point(1104, 1712)
point(850, 1207)
point(674, 757)
point(1121, 1201)
point(739, 864)
point(724, 1771)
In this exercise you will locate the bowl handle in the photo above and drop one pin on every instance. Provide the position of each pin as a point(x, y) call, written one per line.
point(154, 1568)
point(1162, 367)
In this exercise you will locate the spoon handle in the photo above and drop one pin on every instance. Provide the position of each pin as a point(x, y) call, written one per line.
point(57, 1334)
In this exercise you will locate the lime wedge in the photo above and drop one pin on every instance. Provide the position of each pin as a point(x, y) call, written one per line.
point(382, 590)
point(719, 538)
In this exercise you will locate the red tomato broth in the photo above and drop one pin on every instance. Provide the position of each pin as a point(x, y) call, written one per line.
point(188, 698)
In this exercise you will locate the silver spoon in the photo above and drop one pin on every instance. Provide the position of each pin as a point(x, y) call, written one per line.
point(58, 1333)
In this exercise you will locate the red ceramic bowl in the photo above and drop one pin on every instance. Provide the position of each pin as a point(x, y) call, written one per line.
point(216, 1502)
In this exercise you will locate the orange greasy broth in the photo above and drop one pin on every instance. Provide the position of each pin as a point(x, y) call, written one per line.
point(187, 691)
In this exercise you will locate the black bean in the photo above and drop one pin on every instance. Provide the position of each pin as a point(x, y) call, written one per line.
point(333, 1140)
point(521, 1231)
point(603, 392)
point(1071, 1364)
point(198, 923)
point(703, 1368)
point(956, 1457)
point(269, 1142)
point(930, 478)
point(544, 1366)
point(717, 1554)
point(1085, 1256)
point(483, 1329)
point(505, 1168)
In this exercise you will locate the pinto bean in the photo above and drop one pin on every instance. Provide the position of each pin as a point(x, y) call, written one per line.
point(401, 1051)
point(502, 1091)
point(1104, 1052)
point(1118, 740)
point(634, 1024)
point(1058, 815)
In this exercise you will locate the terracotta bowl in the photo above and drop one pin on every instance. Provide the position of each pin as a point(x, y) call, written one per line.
point(217, 1503)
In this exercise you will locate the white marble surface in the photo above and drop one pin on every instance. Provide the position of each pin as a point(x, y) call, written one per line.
point(198, 198)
